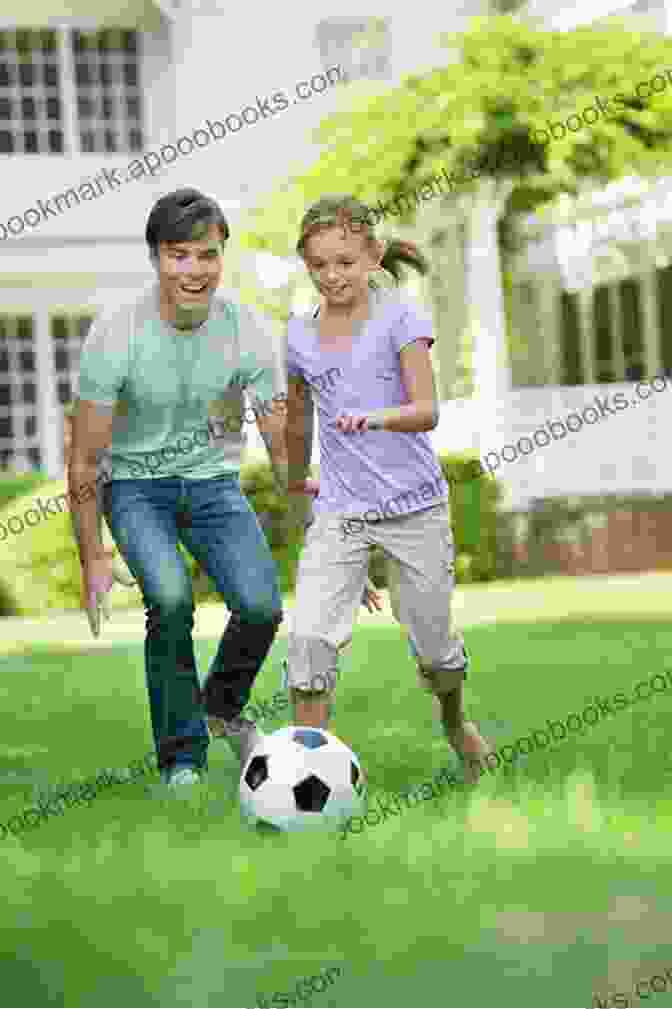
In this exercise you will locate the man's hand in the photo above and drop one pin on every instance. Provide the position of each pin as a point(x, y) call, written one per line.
point(121, 574)
point(98, 577)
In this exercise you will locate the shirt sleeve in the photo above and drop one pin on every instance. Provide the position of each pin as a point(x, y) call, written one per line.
point(414, 323)
point(103, 364)
point(262, 358)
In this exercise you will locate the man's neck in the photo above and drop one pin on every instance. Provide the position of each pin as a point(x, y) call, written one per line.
point(183, 318)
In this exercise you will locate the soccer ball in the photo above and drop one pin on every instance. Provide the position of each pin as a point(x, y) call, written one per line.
point(300, 778)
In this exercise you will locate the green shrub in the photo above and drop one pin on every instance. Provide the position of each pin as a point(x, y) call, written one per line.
point(16, 485)
point(473, 509)
point(474, 504)
point(39, 567)
point(40, 570)
point(258, 485)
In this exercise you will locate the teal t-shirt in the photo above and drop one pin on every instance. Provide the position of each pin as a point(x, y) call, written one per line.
point(178, 399)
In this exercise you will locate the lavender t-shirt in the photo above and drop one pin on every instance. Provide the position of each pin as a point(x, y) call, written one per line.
point(379, 474)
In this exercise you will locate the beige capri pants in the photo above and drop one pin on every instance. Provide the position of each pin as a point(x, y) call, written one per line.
point(331, 579)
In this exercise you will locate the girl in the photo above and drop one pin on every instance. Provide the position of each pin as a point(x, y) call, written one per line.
point(363, 357)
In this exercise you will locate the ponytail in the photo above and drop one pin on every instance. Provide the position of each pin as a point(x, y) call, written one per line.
point(398, 251)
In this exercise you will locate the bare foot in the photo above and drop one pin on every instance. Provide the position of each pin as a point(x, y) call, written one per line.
point(472, 748)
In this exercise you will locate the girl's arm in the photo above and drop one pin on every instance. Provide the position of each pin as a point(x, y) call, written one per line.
point(299, 433)
point(422, 411)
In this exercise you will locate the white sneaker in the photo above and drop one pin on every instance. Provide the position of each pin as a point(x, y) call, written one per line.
point(179, 776)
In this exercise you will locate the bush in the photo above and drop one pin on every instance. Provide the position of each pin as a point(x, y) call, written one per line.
point(16, 485)
point(473, 509)
point(258, 485)
point(474, 501)
point(40, 566)
point(40, 570)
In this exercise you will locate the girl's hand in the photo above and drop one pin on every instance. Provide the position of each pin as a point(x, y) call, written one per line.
point(371, 598)
point(351, 423)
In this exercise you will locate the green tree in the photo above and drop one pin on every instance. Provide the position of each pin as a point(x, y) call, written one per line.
point(479, 116)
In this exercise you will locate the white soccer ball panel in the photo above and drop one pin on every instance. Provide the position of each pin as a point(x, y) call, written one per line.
point(300, 779)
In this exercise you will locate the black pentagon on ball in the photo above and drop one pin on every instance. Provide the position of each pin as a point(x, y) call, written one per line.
point(311, 795)
point(257, 772)
point(356, 778)
point(310, 738)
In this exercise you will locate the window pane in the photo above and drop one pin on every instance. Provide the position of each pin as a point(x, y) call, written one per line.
point(664, 283)
point(633, 335)
point(30, 142)
point(67, 335)
point(28, 108)
point(571, 339)
point(602, 334)
point(30, 93)
point(19, 439)
point(108, 91)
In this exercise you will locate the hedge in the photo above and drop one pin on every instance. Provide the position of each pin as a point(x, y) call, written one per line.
point(39, 567)
point(16, 485)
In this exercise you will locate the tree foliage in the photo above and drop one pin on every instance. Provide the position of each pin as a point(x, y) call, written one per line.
point(478, 115)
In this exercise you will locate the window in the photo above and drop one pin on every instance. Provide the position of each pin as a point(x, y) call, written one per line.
point(108, 91)
point(603, 336)
point(19, 440)
point(664, 285)
point(31, 114)
point(67, 336)
point(633, 331)
point(35, 81)
point(615, 332)
point(360, 46)
point(571, 342)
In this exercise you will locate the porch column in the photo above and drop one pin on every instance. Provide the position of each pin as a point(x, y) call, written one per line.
point(487, 325)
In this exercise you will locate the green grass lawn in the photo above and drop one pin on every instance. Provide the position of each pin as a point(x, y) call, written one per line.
point(543, 886)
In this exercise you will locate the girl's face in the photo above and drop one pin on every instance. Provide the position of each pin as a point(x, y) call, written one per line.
point(339, 261)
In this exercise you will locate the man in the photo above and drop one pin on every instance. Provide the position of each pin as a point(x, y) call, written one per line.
point(155, 376)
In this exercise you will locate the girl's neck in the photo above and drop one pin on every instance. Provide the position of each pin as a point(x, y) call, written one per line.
point(338, 326)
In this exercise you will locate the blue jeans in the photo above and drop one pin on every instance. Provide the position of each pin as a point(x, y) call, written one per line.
point(219, 528)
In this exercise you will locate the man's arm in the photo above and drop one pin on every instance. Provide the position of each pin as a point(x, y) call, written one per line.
point(91, 435)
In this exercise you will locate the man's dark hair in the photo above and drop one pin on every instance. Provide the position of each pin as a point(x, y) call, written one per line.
point(183, 216)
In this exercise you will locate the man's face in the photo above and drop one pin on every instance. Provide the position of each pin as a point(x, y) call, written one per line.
point(189, 272)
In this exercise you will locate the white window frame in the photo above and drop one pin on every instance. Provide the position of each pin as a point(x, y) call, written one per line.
point(68, 95)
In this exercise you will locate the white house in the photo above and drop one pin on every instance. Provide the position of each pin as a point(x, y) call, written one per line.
point(90, 91)
point(85, 91)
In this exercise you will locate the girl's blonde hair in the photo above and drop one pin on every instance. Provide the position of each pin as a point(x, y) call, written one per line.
point(353, 215)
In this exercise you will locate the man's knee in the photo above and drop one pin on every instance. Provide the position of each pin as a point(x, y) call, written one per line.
point(261, 614)
point(172, 608)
